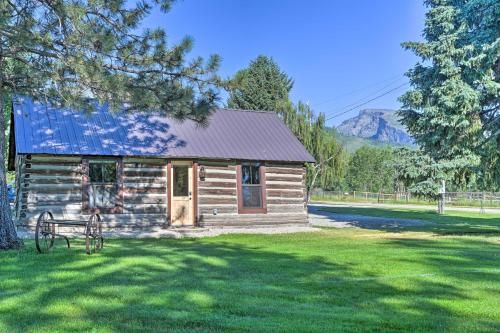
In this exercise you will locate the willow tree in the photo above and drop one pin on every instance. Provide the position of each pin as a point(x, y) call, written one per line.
point(331, 158)
point(75, 52)
point(453, 107)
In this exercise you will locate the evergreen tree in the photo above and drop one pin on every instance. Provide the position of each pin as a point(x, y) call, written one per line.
point(417, 172)
point(69, 51)
point(452, 110)
point(261, 86)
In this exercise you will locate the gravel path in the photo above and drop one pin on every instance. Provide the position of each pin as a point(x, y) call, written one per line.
point(322, 218)
point(186, 232)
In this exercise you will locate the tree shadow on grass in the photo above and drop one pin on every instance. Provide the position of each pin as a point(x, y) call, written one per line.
point(208, 286)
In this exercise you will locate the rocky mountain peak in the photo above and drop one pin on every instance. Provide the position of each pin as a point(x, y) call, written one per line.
point(379, 125)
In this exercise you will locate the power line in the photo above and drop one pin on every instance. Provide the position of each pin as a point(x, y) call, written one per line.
point(370, 100)
point(363, 99)
point(392, 80)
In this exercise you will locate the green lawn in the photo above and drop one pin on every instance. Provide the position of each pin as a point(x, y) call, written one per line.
point(333, 280)
point(452, 222)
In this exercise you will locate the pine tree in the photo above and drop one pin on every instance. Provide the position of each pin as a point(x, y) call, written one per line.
point(71, 51)
point(453, 108)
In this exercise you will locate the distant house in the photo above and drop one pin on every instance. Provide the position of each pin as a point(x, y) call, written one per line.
point(143, 170)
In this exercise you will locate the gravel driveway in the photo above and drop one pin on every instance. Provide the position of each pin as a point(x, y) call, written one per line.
point(320, 217)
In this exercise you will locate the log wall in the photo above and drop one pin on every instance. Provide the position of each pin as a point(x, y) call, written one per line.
point(285, 192)
point(54, 183)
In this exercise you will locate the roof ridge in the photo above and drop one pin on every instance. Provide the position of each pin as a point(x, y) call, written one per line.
point(247, 110)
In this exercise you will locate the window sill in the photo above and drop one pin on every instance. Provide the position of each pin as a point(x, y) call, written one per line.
point(252, 211)
point(113, 210)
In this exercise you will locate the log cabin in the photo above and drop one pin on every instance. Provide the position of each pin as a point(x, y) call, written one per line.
point(145, 170)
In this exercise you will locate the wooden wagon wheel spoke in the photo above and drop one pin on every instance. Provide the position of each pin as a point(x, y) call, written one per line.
point(91, 231)
point(98, 235)
point(44, 232)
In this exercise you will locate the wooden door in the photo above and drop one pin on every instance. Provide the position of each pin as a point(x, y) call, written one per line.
point(181, 192)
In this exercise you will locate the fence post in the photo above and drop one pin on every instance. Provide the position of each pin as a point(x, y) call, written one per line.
point(354, 195)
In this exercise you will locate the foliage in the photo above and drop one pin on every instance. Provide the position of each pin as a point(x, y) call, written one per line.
point(69, 51)
point(367, 279)
point(416, 172)
point(261, 86)
point(78, 52)
point(353, 143)
point(310, 130)
point(264, 86)
point(370, 170)
point(6, 114)
point(452, 110)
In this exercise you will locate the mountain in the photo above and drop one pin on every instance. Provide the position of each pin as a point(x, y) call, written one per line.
point(374, 126)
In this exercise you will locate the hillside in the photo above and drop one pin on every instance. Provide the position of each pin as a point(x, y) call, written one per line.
point(377, 127)
point(373, 127)
point(353, 143)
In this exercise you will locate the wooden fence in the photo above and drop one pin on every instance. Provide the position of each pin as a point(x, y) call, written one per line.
point(474, 199)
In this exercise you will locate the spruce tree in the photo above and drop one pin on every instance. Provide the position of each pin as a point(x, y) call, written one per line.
point(74, 52)
point(261, 86)
point(453, 107)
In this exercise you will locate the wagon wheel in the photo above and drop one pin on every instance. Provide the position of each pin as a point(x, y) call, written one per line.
point(93, 234)
point(44, 232)
point(99, 244)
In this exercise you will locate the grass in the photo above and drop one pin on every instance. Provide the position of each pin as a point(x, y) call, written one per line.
point(452, 222)
point(344, 280)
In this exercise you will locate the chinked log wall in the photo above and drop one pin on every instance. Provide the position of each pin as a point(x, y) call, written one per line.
point(284, 191)
point(54, 183)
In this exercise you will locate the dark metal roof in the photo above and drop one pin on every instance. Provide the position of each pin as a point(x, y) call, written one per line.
point(230, 134)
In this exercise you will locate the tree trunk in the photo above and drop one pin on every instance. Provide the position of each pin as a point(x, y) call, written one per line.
point(8, 234)
point(441, 203)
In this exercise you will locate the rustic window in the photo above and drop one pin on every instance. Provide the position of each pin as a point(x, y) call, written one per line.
point(251, 188)
point(103, 186)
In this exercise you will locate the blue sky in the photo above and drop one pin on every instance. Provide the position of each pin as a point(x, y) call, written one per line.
point(340, 53)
